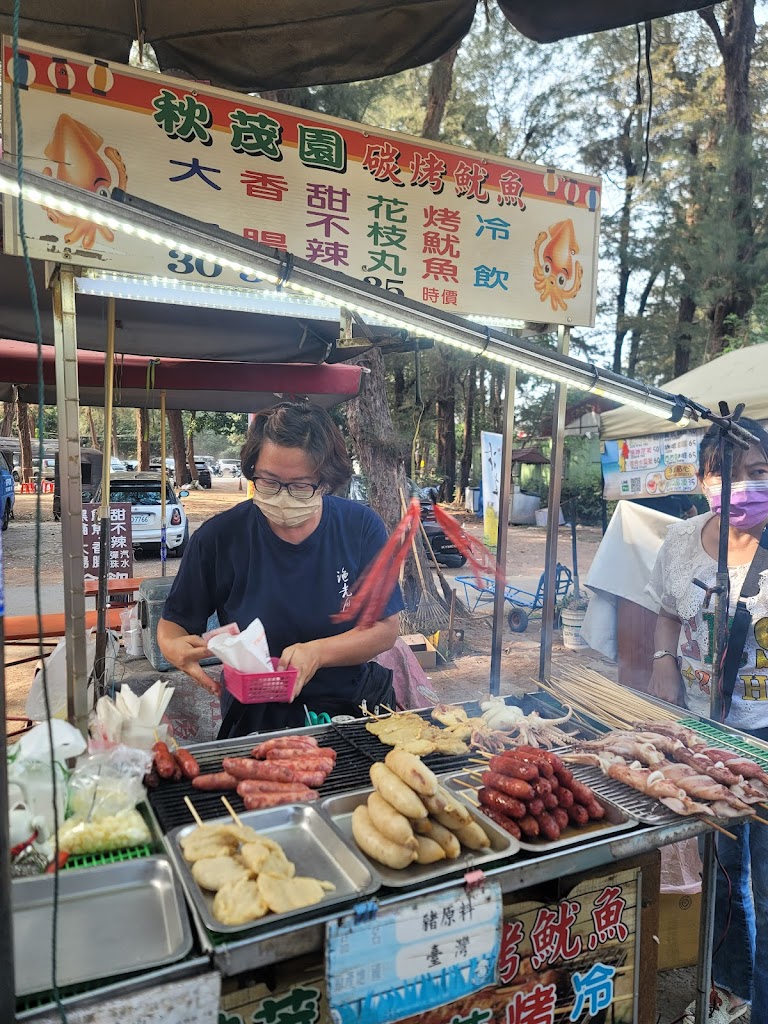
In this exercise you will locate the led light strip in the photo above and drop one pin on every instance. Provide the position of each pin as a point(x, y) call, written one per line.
point(202, 241)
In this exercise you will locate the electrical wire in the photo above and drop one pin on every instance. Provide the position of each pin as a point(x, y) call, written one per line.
point(38, 503)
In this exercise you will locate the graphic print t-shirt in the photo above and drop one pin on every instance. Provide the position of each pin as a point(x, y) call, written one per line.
point(682, 559)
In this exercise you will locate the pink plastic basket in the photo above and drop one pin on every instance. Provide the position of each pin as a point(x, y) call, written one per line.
point(261, 688)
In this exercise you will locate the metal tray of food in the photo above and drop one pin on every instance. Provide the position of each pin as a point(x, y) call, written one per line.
point(308, 839)
point(112, 920)
point(615, 820)
point(340, 808)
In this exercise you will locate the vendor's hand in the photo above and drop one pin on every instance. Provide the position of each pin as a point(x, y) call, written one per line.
point(666, 681)
point(186, 653)
point(305, 658)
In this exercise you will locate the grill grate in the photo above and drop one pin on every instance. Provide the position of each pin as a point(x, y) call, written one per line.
point(649, 811)
point(727, 741)
point(357, 749)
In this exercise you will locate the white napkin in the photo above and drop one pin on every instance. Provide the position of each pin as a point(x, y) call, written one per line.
point(248, 652)
point(136, 721)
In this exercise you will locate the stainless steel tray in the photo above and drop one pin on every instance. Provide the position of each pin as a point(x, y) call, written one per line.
point(615, 820)
point(309, 840)
point(112, 920)
point(340, 809)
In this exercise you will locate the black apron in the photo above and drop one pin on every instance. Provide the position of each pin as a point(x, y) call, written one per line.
point(374, 685)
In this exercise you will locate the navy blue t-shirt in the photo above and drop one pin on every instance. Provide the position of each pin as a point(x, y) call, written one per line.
point(238, 567)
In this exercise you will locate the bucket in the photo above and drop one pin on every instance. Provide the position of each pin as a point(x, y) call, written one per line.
point(572, 620)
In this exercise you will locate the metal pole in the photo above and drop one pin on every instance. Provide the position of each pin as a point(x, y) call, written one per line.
point(716, 712)
point(553, 514)
point(67, 403)
point(7, 996)
point(102, 598)
point(505, 487)
point(163, 536)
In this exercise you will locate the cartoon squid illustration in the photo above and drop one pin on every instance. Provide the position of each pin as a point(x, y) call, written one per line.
point(74, 149)
point(556, 274)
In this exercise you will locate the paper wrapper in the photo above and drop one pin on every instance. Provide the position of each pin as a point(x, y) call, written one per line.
point(247, 652)
point(134, 721)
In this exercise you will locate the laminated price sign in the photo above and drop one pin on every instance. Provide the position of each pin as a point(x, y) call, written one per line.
point(414, 956)
point(120, 541)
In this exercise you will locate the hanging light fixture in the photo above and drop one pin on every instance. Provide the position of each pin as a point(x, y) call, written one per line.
point(318, 284)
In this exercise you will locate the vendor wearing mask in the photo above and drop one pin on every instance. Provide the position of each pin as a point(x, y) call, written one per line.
point(682, 674)
point(290, 558)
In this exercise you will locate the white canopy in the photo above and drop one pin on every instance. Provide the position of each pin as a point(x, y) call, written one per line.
point(740, 376)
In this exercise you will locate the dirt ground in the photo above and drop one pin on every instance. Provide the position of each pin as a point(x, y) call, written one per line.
point(464, 679)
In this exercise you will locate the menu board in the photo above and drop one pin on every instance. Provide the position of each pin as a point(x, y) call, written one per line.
point(652, 466)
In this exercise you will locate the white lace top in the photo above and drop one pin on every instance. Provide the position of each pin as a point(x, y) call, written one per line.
point(681, 559)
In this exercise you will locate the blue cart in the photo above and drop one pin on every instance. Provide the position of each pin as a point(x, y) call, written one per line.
point(524, 603)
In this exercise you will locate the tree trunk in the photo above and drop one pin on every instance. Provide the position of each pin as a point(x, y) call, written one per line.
point(730, 311)
point(469, 434)
point(92, 429)
point(142, 439)
point(685, 312)
point(191, 467)
point(495, 399)
point(637, 330)
point(626, 148)
point(9, 412)
point(176, 431)
point(25, 441)
point(438, 91)
point(446, 424)
point(381, 458)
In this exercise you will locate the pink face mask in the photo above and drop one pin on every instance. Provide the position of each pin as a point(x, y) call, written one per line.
point(749, 503)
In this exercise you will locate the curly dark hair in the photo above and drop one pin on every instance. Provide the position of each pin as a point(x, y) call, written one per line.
point(307, 427)
point(710, 463)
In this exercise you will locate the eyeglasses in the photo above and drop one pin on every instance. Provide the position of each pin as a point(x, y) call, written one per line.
point(271, 488)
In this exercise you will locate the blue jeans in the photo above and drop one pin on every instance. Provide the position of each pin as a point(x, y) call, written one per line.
point(740, 965)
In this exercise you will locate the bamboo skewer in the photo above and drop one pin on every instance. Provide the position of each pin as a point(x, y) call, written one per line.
point(231, 811)
point(193, 811)
point(718, 828)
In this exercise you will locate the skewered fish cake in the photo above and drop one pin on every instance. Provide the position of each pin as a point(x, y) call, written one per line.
point(239, 903)
point(284, 894)
point(267, 857)
point(213, 873)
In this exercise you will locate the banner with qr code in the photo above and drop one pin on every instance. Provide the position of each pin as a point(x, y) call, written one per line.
point(651, 467)
point(458, 230)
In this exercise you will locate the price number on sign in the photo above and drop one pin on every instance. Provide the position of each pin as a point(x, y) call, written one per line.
point(390, 284)
point(186, 263)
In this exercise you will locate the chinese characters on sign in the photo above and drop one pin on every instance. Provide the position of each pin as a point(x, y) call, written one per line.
point(651, 467)
point(448, 227)
point(414, 956)
point(120, 542)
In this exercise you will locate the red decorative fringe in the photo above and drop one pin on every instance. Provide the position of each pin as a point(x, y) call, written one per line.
point(481, 561)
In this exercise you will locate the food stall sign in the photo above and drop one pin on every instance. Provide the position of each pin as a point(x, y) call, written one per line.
point(458, 230)
point(413, 956)
point(490, 445)
point(652, 466)
point(120, 541)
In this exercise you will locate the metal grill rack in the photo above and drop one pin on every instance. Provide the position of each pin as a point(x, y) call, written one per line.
point(651, 812)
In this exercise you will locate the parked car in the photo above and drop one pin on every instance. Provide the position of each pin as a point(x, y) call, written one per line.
point(7, 493)
point(231, 466)
point(142, 492)
point(203, 473)
point(444, 551)
point(129, 465)
point(117, 465)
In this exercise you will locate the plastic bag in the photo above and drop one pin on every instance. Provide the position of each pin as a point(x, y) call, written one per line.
point(103, 792)
point(56, 677)
point(29, 772)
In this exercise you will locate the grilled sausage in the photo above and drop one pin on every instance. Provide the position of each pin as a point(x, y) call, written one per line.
point(501, 802)
point(529, 826)
point(541, 787)
point(508, 824)
point(190, 769)
point(165, 764)
point(258, 801)
point(530, 756)
point(561, 817)
point(215, 781)
point(581, 794)
point(263, 749)
point(514, 768)
point(578, 814)
point(517, 788)
point(249, 768)
point(550, 801)
point(303, 752)
point(536, 806)
point(293, 790)
point(595, 810)
point(565, 797)
point(549, 828)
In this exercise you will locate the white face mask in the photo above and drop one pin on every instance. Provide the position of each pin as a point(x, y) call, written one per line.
point(284, 510)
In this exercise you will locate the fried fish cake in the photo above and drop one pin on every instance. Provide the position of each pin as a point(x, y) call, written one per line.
point(239, 903)
point(284, 894)
point(213, 873)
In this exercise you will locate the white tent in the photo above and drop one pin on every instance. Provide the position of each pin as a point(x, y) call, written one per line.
point(740, 376)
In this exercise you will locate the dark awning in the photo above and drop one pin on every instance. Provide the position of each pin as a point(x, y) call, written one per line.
point(531, 456)
point(189, 383)
point(252, 46)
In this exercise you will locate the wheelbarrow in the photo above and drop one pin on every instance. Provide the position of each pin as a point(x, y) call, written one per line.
point(524, 602)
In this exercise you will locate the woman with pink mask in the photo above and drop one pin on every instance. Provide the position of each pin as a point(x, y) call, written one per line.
point(682, 674)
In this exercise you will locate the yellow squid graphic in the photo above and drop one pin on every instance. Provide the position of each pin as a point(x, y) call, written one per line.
point(557, 275)
point(75, 149)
